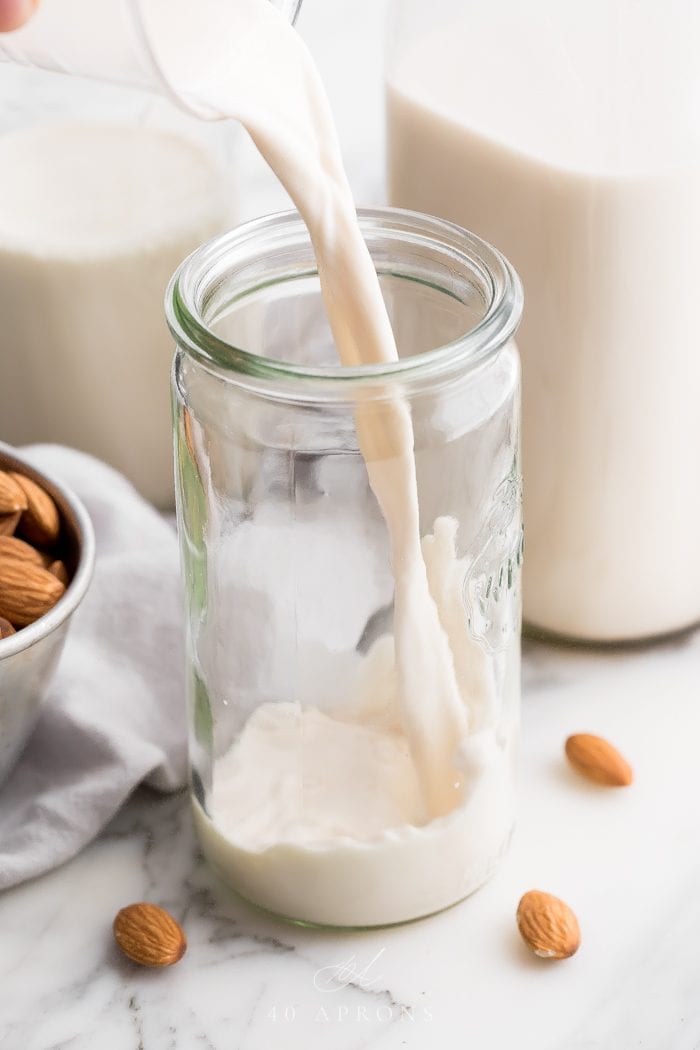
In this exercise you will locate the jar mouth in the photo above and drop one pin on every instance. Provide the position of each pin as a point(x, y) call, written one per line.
point(462, 253)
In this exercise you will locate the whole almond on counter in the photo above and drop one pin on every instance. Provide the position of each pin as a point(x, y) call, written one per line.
point(597, 760)
point(40, 522)
point(12, 496)
point(9, 522)
point(26, 591)
point(6, 628)
point(14, 547)
point(149, 935)
point(547, 925)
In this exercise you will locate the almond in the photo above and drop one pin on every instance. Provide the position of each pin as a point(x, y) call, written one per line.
point(40, 522)
point(58, 569)
point(149, 935)
point(9, 522)
point(12, 496)
point(547, 925)
point(13, 547)
point(595, 758)
point(6, 628)
point(26, 591)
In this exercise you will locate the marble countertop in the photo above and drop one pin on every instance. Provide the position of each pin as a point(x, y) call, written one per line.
point(627, 861)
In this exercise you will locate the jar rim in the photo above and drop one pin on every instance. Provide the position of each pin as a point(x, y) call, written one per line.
point(492, 331)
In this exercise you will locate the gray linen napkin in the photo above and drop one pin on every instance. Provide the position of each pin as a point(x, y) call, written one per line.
point(114, 715)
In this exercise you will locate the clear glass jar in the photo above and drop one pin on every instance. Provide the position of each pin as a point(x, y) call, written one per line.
point(569, 137)
point(303, 778)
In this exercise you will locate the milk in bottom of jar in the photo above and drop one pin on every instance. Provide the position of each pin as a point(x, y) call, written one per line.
point(441, 789)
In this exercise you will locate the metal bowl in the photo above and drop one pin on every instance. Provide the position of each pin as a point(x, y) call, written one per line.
point(28, 658)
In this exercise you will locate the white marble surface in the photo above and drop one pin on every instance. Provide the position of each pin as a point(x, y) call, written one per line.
point(628, 861)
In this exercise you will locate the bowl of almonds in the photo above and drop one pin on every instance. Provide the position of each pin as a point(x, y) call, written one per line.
point(47, 551)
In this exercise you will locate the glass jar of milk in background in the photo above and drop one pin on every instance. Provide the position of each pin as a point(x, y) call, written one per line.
point(568, 135)
point(103, 192)
point(303, 748)
point(105, 188)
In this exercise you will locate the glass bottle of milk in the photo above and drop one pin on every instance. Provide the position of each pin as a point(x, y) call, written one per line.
point(568, 136)
point(105, 188)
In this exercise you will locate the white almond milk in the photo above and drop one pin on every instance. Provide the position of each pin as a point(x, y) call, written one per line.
point(567, 136)
point(293, 823)
point(320, 814)
point(85, 256)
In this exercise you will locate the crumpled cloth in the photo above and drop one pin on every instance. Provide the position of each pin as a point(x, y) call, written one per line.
point(114, 715)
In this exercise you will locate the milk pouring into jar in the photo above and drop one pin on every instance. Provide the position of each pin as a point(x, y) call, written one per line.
point(305, 805)
point(405, 788)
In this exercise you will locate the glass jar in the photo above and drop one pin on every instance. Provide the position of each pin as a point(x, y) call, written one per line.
point(569, 136)
point(303, 766)
point(105, 188)
point(90, 233)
